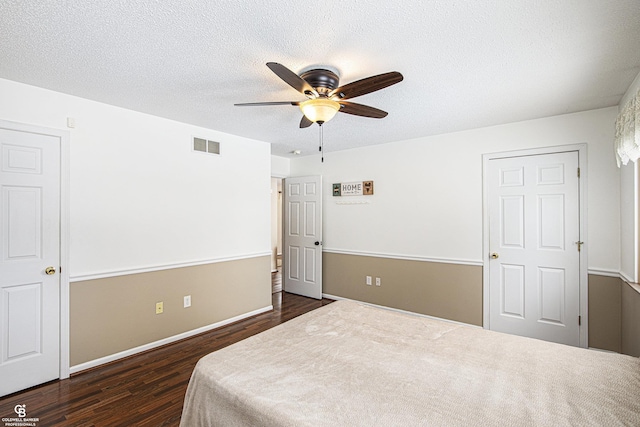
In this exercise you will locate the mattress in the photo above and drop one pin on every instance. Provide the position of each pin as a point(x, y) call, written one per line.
point(349, 364)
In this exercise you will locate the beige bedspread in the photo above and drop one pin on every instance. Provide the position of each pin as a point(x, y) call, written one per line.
point(348, 364)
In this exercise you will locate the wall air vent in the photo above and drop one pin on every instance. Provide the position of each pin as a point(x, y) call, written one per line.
point(206, 146)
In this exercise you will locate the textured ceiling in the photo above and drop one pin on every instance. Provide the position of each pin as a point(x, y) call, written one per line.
point(466, 64)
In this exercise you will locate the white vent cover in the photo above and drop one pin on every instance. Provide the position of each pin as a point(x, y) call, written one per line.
point(206, 146)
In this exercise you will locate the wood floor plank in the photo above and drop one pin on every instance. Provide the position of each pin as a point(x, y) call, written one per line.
point(146, 389)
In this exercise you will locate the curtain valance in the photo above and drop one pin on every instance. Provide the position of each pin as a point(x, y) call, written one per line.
point(627, 140)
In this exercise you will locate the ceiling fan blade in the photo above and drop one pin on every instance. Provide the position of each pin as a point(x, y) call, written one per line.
point(292, 79)
point(361, 110)
point(305, 122)
point(368, 85)
point(258, 104)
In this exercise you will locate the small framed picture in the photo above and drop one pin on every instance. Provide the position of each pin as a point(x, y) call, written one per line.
point(367, 188)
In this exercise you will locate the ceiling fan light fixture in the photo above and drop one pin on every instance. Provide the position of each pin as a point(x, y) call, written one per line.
point(319, 110)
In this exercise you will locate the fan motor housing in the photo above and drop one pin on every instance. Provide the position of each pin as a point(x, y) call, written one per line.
point(321, 79)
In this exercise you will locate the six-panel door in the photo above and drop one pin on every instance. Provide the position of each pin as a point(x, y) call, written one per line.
point(534, 249)
point(303, 236)
point(30, 231)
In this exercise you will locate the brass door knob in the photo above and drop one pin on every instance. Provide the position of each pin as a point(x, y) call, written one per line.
point(494, 255)
point(50, 271)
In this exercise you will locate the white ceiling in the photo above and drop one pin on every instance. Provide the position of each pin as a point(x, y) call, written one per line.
point(466, 64)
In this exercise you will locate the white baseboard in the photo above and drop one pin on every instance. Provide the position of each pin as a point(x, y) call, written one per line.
point(113, 357)
point(334, 297)
point(603, 351)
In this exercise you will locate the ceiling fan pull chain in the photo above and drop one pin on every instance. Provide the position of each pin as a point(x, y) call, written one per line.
point(321, 145)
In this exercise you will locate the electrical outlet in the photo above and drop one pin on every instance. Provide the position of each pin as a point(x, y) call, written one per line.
point(378, 281)
point(159, 307)
point(368, 280)
point(187, 301)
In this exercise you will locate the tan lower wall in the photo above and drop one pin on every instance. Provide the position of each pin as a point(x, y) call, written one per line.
point(454, 291)
point(614, 315)
point(605, 313)
point(448, 291)
point(115, 314)
point(631, 319)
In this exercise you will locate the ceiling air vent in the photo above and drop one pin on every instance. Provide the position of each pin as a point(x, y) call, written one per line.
point(206, 146)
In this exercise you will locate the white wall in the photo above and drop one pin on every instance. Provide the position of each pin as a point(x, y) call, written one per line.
point(628, 220)
point(628, 205)
point(428, 191)
point(280, 166)
point(139, 196)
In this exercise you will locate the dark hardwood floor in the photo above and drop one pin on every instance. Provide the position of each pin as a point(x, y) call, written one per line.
point(276, 281)
point(146, 389)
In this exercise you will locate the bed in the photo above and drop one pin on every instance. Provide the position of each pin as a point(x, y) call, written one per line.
point(349, 364)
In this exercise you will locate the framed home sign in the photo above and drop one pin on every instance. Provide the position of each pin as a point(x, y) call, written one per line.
point(362, 188)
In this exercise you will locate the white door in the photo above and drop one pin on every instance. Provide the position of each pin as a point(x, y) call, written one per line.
point(534, 230)
point(29, 297)
point(303, 236)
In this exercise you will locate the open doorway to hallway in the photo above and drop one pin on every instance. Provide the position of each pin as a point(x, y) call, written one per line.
point(276, 235)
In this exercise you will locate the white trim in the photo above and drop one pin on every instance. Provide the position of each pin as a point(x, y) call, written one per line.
point(160, 267)
point(604, 272)
point(632, 274)
point(126, 353)
point(597, 271)
point(64, 137)
point(406, 257)
point(635, 222)
point(602, 350)
point(65, 238)
point(634, 286)
point(626, 278)
point(584, 257)
point(397, 310)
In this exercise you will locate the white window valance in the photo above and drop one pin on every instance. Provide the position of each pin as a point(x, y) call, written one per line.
point(627, 141)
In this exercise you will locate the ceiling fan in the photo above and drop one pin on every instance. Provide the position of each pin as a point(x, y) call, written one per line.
point(325, 97)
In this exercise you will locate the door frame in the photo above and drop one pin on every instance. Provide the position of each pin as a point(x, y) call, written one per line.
point(584, 257)
point(64, 138)
point(281, 177)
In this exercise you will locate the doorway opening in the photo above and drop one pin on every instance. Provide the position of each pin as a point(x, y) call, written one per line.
point(276, 234)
